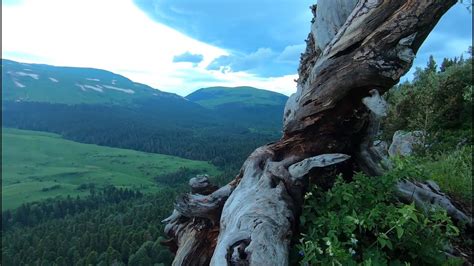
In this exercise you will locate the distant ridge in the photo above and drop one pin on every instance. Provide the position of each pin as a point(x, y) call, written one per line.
point(213, 97)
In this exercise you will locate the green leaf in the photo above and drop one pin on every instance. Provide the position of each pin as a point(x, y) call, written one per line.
point(400, 232)
point(384, 241)
point(453, 230)
point(413, 216)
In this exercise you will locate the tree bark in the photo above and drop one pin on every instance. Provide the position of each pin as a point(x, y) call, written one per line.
point(356, 50)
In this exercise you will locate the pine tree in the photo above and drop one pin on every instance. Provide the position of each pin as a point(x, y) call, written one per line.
point(92, 258)
point(431, 66)
point(125, 251)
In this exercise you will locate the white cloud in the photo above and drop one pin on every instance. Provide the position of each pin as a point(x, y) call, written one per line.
point(117, 36)
point(292, 53)
point(109, 34)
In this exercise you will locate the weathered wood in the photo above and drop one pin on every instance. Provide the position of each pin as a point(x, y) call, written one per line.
point(428, 195)
point(201, 185)
point(302, 168)
point(368, 157)
point(362, 50)
point(194, 224)
point(203, 206)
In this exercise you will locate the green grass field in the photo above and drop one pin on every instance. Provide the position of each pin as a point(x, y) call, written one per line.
point(39, 165)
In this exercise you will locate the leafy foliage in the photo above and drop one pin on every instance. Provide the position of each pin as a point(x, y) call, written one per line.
point(358, 223)
point(438, 102)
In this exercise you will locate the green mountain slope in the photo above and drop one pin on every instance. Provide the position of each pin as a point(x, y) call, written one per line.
point(247, 96)
point(70, 85)
point(38, 165)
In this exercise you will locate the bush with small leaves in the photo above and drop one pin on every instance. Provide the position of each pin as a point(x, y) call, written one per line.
point(361, 223)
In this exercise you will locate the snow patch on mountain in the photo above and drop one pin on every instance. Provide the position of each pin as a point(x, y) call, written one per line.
point(80, 86)
point(91, 79)
point(18, 84)
point(129, 91)
point(96, 88)
point(33, 76)
point(53, 79)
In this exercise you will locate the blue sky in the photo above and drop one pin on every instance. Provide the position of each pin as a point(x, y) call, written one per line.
point(183, 45)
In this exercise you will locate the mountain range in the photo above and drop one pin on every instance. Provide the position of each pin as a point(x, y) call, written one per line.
point(99, 107)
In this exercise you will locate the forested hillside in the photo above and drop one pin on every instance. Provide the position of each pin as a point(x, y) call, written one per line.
point(106, 225)
point(68, 203)
point(258, 110)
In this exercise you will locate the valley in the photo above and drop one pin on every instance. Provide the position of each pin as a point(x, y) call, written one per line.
point(66, 129)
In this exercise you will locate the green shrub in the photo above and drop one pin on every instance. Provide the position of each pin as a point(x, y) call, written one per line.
point(360, 223)
point(436, 102)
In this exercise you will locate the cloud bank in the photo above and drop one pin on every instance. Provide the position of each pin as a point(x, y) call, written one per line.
point(182, 45)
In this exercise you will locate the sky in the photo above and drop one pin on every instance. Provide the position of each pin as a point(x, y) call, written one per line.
point(180, 46)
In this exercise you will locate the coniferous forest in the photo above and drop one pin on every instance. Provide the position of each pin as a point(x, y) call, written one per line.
point(109, 227)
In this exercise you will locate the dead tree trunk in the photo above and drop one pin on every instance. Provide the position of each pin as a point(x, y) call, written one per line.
point(356, 49)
